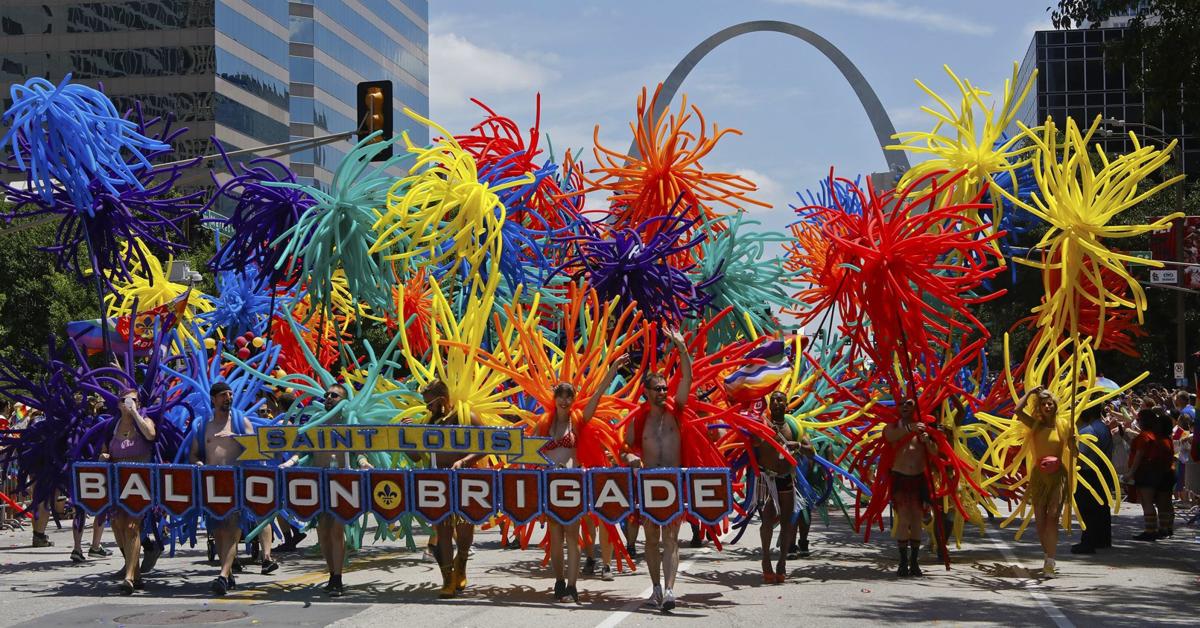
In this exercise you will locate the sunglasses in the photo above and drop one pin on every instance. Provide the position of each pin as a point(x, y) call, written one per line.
point(659, 388)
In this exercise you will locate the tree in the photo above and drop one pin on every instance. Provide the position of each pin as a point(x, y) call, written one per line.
point(36, 299)
point(1160, 49)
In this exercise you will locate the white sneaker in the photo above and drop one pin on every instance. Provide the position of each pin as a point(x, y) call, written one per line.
point(669, 601)
point(656, 597)
point(1048, 570)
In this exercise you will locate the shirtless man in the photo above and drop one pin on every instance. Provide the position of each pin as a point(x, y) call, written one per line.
point(910, 490)
point(451, 530)
point(659, 447)
point(331, 533)
point(777, 487)
point(220, 449)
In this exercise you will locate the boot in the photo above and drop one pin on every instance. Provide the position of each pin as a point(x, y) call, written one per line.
point(460, 572)
point(914, 551)
point(902, 571)
point(447, 590)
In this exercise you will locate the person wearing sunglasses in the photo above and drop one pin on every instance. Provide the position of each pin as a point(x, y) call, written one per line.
point(654, 442)
point(331, 533)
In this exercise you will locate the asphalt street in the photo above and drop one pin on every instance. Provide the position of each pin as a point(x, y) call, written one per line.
point(845, 582)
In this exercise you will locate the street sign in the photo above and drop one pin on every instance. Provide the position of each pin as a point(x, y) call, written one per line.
point(1179, 370)
point(1164, 276)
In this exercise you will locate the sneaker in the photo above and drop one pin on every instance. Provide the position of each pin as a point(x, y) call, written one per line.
point(336, 590)
point(139, 584)
point(656, 598)
point(220, 586)
point(589, 567)
point(77, 556)
point(269, 566)
point(802, 551)
point(231, 582)
point(573, 593)
point(560, 590)
point(1048, 568)
point(98, 551)
point(606, 573)
point(1146, 536)
point(470, 550)
point(150, 559)
point(126, 587)
point(668, 603)
point(41, 540)
point(1165, 534)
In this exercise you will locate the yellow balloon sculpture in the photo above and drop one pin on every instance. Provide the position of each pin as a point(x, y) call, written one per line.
point(148, 288)
point(441, 211)
point(970, 137)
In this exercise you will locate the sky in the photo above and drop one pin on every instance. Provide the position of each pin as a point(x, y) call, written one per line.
point(798, 117)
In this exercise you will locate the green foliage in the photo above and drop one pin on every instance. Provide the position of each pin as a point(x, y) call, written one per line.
point(36, 300)
point(1160, 49)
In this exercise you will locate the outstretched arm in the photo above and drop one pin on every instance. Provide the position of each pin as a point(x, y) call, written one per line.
point(1022, 415)
point(590, 409)
point(685, 368)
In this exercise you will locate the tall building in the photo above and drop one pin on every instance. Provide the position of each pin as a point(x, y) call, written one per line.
point(249, 73)
point(1076, 80)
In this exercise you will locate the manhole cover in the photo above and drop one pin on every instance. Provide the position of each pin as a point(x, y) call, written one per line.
point(188, 616)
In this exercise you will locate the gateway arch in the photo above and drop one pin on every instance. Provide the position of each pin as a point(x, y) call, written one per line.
point(897, 161)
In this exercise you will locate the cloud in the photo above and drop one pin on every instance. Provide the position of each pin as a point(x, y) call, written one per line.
point(895, 11)
point(769, 191)
point(460, 69)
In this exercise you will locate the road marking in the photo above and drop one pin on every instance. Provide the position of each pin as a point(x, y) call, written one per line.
point(619, 616)
point(1052, 611)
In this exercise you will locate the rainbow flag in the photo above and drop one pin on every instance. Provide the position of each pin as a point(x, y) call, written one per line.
point(755, 381)
point(89, 334)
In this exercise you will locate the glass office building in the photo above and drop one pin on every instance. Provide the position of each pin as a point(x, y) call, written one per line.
point(248, 72)
point(1076, 79)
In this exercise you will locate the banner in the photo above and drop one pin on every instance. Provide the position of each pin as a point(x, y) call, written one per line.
point(512, 444)
point(474, 495)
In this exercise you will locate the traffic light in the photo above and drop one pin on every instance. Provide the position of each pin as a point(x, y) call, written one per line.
point(375, 113)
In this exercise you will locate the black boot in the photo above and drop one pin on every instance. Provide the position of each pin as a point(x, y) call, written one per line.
point(914, 551)
point(902, 571)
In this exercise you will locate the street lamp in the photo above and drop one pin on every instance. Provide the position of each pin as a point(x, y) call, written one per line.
point(1177, 154)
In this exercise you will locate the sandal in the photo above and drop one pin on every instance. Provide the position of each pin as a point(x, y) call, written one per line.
point(126, 587)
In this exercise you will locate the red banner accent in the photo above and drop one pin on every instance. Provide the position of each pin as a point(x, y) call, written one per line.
point(302, 492)
point(260, 490)
point(611, 497)
point(93, 490)
point(218, 490)
point(345, 493)
point(659, 494)
point(177, 489)
point(520, 494)
point(566, 499)
point(389, 494)
point(433, 494)
point(475, 494)
point(708, 494)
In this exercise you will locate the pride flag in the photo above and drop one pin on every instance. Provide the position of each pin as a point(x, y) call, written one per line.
point(755, 381)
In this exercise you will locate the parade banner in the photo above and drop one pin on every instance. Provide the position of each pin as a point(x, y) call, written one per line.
point(475, 490)
point(474, 495)
point(219, 494)
point(302, 492)
point(659, 494)
point(709, 496)
point(511, 444)
point(389, 493)
point(564, 495)
point(260, 491)
point(611, 494)
point(91, 484)
point(135, 488)
point(520, 494)
point(344, 494)
point(177, 489)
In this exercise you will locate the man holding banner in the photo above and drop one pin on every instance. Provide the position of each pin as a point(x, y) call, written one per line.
point(654, 443)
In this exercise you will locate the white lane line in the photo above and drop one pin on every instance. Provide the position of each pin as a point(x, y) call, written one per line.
point(619, 616)
point(1052, 611)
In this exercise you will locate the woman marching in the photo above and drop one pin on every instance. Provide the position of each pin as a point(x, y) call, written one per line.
point(132, 440)
point(1050, 440)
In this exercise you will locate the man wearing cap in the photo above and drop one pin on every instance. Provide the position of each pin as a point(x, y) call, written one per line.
point(221, 449)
